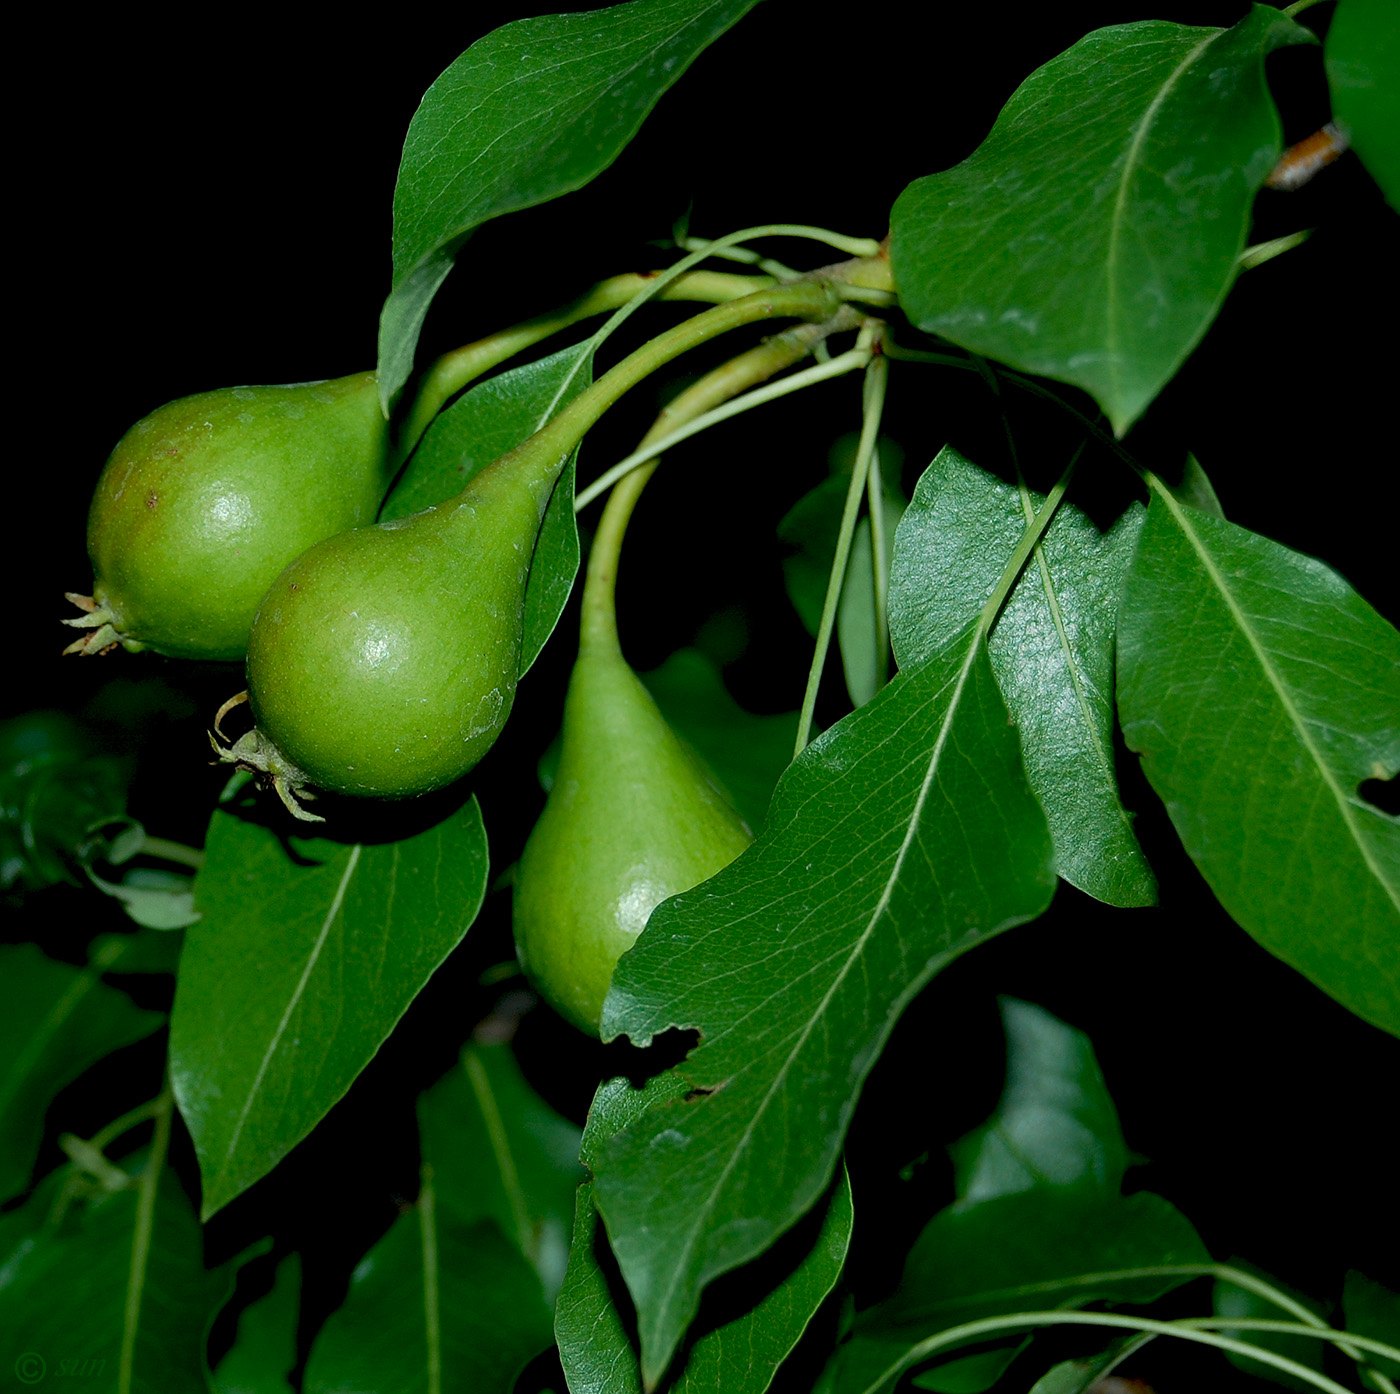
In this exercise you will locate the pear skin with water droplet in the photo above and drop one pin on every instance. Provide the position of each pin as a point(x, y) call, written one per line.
point(205, 500)
point(631, 820)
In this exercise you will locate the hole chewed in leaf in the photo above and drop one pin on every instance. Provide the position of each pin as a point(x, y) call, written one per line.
point(1383, 794)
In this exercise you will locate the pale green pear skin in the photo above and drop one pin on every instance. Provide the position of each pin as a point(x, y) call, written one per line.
point(384, 661)
point(631, 820)
point(205, 500)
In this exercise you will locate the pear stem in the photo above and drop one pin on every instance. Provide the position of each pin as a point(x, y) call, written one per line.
point(876, 376)
point(453, 371)
point(598, 626)
point(543, 455)
point(823, 371)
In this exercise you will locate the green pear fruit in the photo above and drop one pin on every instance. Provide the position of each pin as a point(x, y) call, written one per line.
point(205, 500)
point(384, 660)
point(631, 820)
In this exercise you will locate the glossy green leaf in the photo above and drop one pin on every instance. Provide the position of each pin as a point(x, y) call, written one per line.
point(307, 954)
point(261, 1358)
point(810, 530)
point(1372, 1309)
point(1051, 650)
point(110, 1286)
point(737, 1352)
point(455, 1286)
point(481, 426)
point(1260, 691)
point(500, 1153)
point(434, 1304)
point(1231, 1301)
point(535, 109)
point(902, 837)
point(1363, 70)
point(55, 1021)
point(746, 753)
point(1094, 234)
point(1055, 1124)
point(1039, 1222)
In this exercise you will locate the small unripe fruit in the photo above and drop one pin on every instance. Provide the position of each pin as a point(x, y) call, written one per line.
point(205, 500)
point(384, 661)
point(631, 820)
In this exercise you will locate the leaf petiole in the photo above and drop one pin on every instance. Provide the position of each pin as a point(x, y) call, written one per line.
point(702, 404)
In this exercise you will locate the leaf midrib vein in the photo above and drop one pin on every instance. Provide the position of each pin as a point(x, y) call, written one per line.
point(500, 1148)
point(334, 910)
point(1116, 222)
point(935, 757)
point(606, 84)
point(39, 1039)
point(1072, 664)
point(1295, 717)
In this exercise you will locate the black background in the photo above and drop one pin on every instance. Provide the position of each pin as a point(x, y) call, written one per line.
point(207, 202)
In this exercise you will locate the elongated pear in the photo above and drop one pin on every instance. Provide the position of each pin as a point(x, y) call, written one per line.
point(384, 660)
point(205, 500)
point(631, 820)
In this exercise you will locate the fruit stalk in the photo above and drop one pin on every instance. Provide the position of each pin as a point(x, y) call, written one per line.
point(747, 370)
point(544, 453)
point(453, 371)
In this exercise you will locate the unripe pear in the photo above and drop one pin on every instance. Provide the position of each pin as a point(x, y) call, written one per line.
point(384, 660)
point(631, 820)
point(205, 500)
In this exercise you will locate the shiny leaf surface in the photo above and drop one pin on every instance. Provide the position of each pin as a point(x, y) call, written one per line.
point(1051, 650)
point(432, 1295)
point(739, 1352)
point(308, 953)
point(533, 110)
point(899, 839)
point(1094, 234)
point(1260, 691)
